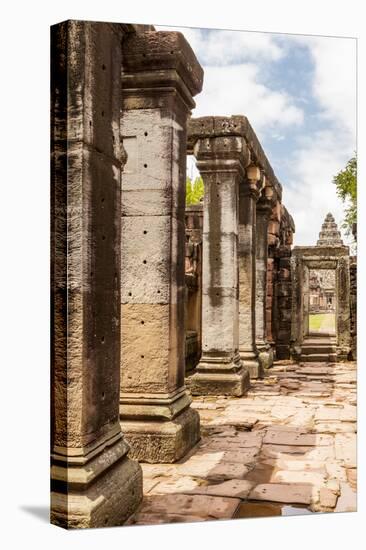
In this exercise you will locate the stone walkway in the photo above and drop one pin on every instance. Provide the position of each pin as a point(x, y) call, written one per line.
point(287, 447)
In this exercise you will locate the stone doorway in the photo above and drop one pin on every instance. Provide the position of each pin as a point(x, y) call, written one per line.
point(322, 308)
point(320, 286)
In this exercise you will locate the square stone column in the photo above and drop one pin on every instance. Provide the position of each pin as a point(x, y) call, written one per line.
point(160, 77)
point(193, 280)
point(221, 161)
point(343, 306)
point(273, 238)
point(248, 195)
point(263, 212)
point(93, 482)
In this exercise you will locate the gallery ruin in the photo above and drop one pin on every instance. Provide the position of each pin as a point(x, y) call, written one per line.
point(153, 301)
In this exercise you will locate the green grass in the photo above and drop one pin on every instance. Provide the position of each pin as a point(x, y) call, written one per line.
point(322, 321)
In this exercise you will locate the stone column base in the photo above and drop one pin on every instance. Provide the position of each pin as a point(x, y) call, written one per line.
point(342, 353)
point(219, 377)
point(251, 362)
point(265, 356)
point(157, 441)
point(283, 351)
point(236, 384)
point(103, 492)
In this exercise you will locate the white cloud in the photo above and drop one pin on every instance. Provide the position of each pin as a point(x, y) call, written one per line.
point(235, 89)
point(319, 157)
point(312, 194)
point(219, 47)
point(334, 82)
point(234, 64)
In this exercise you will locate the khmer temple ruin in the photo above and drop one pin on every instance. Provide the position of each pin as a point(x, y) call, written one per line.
point(186, 375)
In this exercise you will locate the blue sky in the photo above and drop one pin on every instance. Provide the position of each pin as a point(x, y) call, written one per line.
point(299, 94)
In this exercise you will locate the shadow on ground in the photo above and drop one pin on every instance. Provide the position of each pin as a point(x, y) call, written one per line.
point(40, 512)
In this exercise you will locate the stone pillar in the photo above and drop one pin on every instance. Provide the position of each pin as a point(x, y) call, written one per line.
point(160, 77)
point(272, 275)
point(93, 482)
point(193, 280)
point(343, 306)
point(263, 212)
point(248, 196)
point(283, 303)
point(221, 162)
point(353, 306)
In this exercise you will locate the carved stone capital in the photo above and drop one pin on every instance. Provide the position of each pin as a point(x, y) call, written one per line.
point(157, 65)
point(221, 154)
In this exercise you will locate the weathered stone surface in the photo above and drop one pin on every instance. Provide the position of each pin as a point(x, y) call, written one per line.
point(234, 488)
point(283, 492)
point(228, 470)
point(307, 453)
point(264, 210)
point(290, 438)
point(347, 501)
point(153, 441)
point(325, 256)
point(352, 477)
point(154, 404)
point(221, 162)
point(314, 478)
point(93, 483)
point(346, 449)
point(328, 498)
point(188, 506)
point(334, 427)
point(182, 484)
point(309, 475)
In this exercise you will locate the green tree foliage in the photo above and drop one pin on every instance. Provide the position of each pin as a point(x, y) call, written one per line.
point(194, 190)
point(346, 183)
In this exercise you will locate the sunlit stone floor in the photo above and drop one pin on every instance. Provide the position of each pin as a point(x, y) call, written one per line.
point(287, 447)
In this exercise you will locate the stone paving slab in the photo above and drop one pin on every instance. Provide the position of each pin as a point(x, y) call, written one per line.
point(235, 488)
point(346, 450)
point(291, 440)
point(193, 507)
point(290, 493)
point(290, 476)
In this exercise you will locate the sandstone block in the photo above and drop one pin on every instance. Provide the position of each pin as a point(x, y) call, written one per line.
point(283, 492)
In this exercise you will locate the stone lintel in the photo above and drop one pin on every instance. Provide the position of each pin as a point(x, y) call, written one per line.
point(328, 252)
point(236, 125)
point(163, 61)
point(192, 208)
